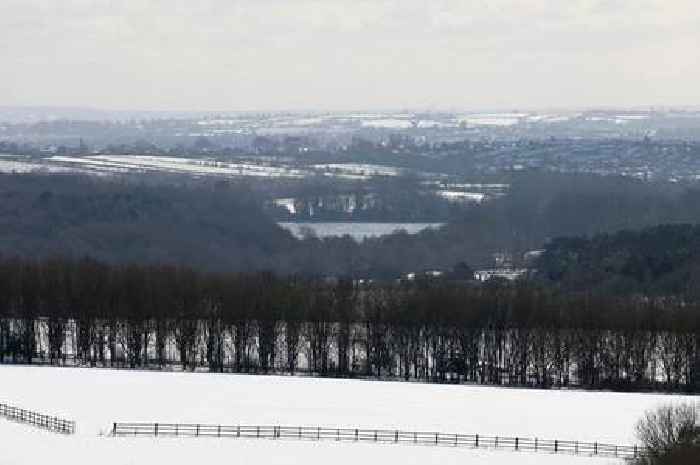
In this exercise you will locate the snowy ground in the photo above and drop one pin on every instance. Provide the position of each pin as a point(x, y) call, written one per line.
point(356, 230)
point(95, 398)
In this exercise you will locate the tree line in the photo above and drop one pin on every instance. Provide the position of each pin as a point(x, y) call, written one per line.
point(87, 313)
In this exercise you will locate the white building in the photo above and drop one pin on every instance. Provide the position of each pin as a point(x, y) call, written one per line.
point(511, 274)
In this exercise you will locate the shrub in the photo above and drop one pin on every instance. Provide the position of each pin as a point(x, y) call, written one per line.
point(670, 435)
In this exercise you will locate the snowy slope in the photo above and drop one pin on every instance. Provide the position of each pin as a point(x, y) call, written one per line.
point(95, 398)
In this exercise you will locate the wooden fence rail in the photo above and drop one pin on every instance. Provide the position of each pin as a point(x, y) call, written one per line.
point(55, 424)
point(317, 433)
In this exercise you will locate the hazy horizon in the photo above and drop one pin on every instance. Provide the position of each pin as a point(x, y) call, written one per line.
point(340, 110)
point(332, 55)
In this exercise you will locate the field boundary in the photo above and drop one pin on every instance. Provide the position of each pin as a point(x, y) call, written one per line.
point(385, 436)
point(39, 420)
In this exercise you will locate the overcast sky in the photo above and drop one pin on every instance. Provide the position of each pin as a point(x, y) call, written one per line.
point(349, 54)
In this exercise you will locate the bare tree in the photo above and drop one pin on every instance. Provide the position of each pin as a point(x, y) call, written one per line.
point(668, 433)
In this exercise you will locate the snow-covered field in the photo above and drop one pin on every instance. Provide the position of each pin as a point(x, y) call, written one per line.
point(18, 166)
point(258, 167)
point(360, 169)
point(194, 166)
point(356, 230)
point(460, 196)
point(95, 398)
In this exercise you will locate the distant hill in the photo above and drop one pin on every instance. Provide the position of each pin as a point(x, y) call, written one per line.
point(661, 260)
point(208, 227)
point(212, 225)
point(539, 207)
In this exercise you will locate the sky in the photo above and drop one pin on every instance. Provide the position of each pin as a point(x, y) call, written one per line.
point(271, 55)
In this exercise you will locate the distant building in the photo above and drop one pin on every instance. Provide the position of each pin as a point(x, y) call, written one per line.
point(429, 274)
point(502, 260)
point(51, 149)
point(511, 274)
point(288, 203)
point(503, 269)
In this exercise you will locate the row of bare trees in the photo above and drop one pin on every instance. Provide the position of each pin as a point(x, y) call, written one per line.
point(87, 313)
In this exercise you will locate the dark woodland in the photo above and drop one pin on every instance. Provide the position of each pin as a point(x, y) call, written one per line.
point(222, 226)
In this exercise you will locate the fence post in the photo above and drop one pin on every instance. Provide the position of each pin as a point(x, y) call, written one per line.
point(476, 441)
point(238, 431)
point(516, 443)
point(114, 429)
point(218, 430)
point(356, 433)
point(556, 446)
point(396, 436)
point(595, 448)
point(436, 437)
point(318, 433)
point(496, 442)
point(635, 451)
point(197, 432)
point(375, 435)
point(535, 444)
point(155, 429)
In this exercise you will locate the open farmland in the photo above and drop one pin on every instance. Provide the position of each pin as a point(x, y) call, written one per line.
point(95, 398)
point(255, 167)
